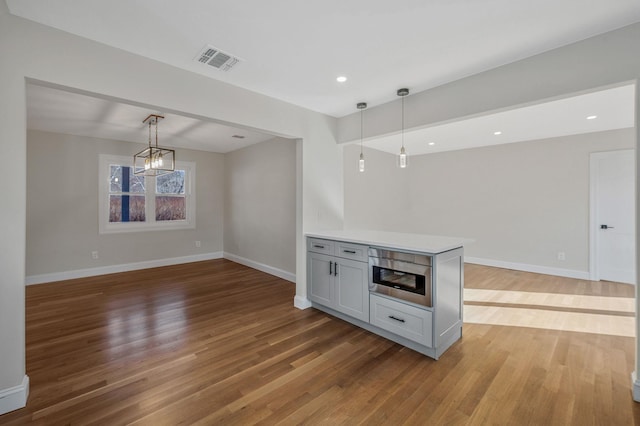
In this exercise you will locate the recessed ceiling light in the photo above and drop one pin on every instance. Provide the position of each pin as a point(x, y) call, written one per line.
point(341, 79)
point(592, 117)
point(432, 143)
point(497, 133)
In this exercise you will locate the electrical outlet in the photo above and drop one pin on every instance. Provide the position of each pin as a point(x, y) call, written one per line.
point(198, 244)
point(561, 255)
point(94, 255)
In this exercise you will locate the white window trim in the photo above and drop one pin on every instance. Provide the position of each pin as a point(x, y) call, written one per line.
point(106, 227)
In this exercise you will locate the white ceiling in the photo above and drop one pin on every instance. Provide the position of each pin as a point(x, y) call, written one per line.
point(614, 109)
point(54, 110)
point(58, 111)
point(293, 50)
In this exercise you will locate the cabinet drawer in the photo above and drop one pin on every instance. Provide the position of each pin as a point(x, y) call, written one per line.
point(352, 251)
point(404, 320)
point(317, 245)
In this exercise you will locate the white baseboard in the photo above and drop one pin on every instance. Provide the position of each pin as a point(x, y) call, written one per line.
point(569, 273)
point(14, 398)
point(261, 267)
point(91, 272)
point(635, 387)
point(301, 302)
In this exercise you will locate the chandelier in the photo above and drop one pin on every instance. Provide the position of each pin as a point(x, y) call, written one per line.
point(154, 160)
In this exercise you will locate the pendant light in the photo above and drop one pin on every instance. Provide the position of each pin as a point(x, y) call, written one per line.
point(361, 106)
point(403, 161)
point(154, 160)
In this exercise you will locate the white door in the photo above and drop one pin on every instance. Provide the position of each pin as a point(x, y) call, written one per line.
point(613, 216)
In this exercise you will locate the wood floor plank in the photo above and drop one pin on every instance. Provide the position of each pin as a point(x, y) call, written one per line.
point(215, 342)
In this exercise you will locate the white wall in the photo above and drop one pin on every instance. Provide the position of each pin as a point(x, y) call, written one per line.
point(13, 222)
point(68, 61)
point(62, 208)
point(260, 204)
point(522, 203)
point(76, 64)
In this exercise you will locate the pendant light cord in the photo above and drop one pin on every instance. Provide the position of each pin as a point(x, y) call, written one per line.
point(402, 131)
point(361, 127)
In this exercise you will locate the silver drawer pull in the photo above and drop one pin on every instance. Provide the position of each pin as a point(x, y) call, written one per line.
point(318, 246)
point(349, 251)
point(397, 319)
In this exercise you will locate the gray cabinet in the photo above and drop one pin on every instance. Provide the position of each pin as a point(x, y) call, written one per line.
point(338, 283)
point(336, 280)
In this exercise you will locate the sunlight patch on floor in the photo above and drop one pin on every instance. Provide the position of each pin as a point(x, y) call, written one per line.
point(600, 303)
point(551, 320)
point(602, 319)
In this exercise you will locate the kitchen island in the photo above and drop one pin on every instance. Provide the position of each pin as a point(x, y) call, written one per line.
point(404, 287)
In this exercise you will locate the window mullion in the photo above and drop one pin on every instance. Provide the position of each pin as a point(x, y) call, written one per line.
point(150, 198)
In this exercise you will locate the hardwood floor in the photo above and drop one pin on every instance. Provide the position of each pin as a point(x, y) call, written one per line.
point(218, 343)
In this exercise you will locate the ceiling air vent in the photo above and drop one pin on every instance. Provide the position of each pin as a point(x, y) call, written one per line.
point(216, 58)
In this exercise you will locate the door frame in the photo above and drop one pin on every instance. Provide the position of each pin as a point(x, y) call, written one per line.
point(594, 235)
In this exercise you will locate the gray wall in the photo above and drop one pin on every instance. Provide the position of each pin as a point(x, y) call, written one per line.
point(62, 207)
point(522, 202)
point(260, 203)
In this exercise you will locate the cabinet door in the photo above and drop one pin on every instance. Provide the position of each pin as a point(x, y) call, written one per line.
point(352, 288)
point(320, 280)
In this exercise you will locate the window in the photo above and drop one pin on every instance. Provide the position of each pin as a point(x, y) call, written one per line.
point(131, 203)
point(126, 195)
point(171, 201)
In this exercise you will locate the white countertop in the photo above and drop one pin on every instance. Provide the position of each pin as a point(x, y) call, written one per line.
point(415, 242)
